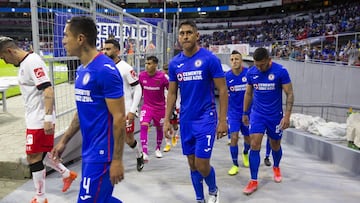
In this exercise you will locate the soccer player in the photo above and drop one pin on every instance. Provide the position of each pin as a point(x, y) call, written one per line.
point(132, 96)
point(38, 95)
point(100, 114)
point(196, 72)
point(236, 85)
point(153, 83)
point(266, 81)
point(174, 120)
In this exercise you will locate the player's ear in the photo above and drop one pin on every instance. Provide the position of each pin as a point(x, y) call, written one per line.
point(81, 38)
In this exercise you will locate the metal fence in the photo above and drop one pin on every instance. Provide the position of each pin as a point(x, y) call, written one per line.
point(48, 20)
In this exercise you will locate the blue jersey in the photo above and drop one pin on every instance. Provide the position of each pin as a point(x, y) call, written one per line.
point(267, 86)
point(194, 76)
point(99, 80)
point(236, 85)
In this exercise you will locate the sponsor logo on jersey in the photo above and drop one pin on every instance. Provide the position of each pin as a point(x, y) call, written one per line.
point(133, 75)
point(29, 139)
point(39, 72)
point(190, 75)
point(264, 86)
point(237, 88)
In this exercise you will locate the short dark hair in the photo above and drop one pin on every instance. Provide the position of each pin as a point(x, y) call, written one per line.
point(153, 58)
point(235, 52)
point(188, 22)
point(86, 26)
point(260, 54)
point(166, 66)
point(6, 42)
point(113, 42)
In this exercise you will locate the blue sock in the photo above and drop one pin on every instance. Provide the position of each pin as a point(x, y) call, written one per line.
point(254, 159)
point(197, 181)
point(211, 181)
point(246, 148)
point(277, 157)
point(268, 148)
point(234, 151)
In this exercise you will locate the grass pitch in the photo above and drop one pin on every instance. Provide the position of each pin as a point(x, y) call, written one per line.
point(10, 70)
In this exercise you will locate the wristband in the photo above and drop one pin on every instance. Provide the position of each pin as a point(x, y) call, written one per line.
point(48, 118)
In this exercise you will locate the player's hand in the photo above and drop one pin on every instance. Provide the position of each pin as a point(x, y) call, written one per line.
point(284, 123)
point(222, 129)
point(130, 117)
point(49, 128)
point(57, 151)
point(116, 171)
point(245, 120)
point(168, 131)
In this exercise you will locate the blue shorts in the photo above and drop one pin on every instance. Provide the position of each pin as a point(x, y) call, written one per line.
point(236, 125)
point(198, 138)
point(95, 185)
point(262, 124)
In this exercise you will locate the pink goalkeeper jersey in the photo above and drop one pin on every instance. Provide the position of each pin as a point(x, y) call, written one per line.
point(153, 89)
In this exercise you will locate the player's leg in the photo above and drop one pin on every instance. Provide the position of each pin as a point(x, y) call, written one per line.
point(275, 135)
point(133, 144)
point(67, 175)
point(37, 143)
point(167, 140)
point(158, 123)
point(175, 126)
point(205, 137)
point(95, 185)
point(145, 118)
point(256, 134)
point(267, 161)
point(188, 148)
point(245, 154)
point(233, 130)
point(38, 173)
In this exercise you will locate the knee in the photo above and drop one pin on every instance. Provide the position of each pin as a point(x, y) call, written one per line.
point(203, 167)
point(37, 166)
point(255, 145)
point(33, 158)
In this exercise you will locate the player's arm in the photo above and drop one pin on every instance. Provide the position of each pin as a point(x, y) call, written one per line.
point(136, 100)
point(49, 100)
point(170, 104)
point(69, 133)
point(247, 102)
point(288, 89)
point(220, 84)
point(117, 109)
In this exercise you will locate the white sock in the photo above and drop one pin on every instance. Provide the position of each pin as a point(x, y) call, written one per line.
point(137, 150)
point(58, 166)
point(39, 183)
point(175, 132)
